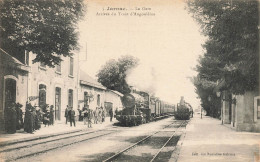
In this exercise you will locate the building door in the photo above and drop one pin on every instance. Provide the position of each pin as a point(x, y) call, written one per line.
point(42, 95)
point(57, 103)
point(108, 106)
point(10, 91)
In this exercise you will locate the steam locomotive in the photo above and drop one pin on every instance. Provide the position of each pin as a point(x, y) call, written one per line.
point(140, 107)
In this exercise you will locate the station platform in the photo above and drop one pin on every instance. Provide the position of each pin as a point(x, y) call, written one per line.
point(206, 140)
point(58, 128)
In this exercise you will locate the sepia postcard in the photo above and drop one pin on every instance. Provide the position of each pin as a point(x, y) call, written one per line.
point(129, 80)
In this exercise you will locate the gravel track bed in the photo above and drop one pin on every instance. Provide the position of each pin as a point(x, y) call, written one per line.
point(145, 150)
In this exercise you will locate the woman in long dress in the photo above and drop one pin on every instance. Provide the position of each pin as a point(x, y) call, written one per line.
point(28, 119)
point(10, 119)
point(51, 115)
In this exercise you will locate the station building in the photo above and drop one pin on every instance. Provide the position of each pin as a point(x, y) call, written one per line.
point(56, 86)
point(113, 100)
point(91, 92)
point(94, 94)
point(13, 83)
point(65, 84)
point(240, 112)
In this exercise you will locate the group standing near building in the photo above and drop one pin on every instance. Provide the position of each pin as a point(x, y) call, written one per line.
point(30, 120)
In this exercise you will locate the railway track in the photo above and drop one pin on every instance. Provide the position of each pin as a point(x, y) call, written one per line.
point(26, 149)
point(116, 156)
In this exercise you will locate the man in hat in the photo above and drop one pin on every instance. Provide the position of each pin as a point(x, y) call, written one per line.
point(72, 115)
point(111, 114)
point(85, 114)
point(67, 114)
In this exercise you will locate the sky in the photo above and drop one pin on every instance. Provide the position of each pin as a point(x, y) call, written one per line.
point(167, 42)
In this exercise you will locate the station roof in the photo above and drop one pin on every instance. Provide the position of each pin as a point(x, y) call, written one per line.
point(116, 92)
point(85, 79)
point(7, 59)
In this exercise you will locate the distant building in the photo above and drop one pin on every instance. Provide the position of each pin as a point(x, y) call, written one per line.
point(91, 92)
point(94, 94)
point(241, 112)
point(113, 100)
point(13, 83)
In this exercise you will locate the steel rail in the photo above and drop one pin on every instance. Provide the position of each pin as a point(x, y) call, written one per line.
point(154, 157)
point(133, 145)
point(49, 139)
point(47, 150)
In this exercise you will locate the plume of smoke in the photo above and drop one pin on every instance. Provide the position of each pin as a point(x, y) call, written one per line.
point(143, 78)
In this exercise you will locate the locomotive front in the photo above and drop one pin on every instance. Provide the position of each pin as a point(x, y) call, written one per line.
point(131, 115)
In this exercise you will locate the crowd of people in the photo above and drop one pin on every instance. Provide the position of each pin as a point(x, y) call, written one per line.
point(87, 115)
point(35, 116)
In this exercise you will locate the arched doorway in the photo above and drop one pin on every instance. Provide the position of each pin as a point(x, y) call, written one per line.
point(10, 91)
point(42, 95)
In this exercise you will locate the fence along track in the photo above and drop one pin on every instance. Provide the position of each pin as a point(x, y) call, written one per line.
point(124, 150)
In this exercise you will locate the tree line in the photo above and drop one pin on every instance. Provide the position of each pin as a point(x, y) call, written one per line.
point(231, 51)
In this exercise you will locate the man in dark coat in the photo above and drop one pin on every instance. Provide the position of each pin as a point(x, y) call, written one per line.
point(46, 117)
point(35, 119)
point(103, 114)
point(90, 116)
point(80, 115)
point(67, 114)
point(51, 115)
point(85, 114)
point(72, 117)
point(111, 114)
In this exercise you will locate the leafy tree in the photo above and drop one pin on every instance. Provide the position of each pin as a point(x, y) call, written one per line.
point(113, 73)
point(232, 45)
point(44, 27)
point(231, 51)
